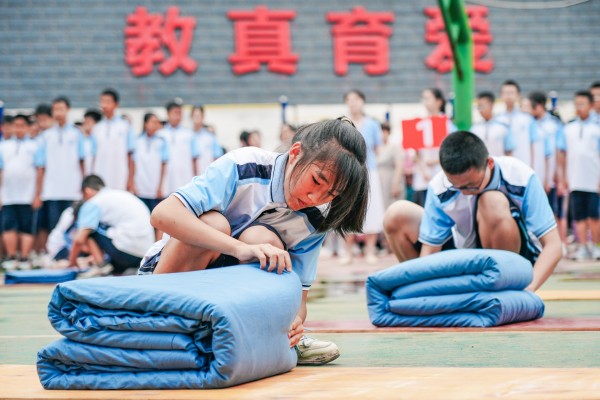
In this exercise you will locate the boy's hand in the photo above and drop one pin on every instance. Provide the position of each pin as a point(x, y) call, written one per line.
point(296, 331)
point(266, 254)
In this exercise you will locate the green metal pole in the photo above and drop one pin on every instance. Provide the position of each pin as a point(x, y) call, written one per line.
point(463, 74)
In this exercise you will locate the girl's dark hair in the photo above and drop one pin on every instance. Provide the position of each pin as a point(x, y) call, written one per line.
point(147, 117)
point(341, 149)
point(439, 95)
point(356, 92)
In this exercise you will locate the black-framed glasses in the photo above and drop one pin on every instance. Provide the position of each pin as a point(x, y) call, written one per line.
point(450, 185)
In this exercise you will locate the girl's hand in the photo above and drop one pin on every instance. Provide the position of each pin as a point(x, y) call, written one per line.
point(266, 254)
point(296, 331)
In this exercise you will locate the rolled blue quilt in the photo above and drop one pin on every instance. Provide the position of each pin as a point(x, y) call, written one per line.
point(39, 276)
point(454, 288)
point(193, 330)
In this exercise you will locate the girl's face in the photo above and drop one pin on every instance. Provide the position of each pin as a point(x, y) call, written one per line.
point(152, 125)
point(430, 103)
point(309, 188)
point(354, 103)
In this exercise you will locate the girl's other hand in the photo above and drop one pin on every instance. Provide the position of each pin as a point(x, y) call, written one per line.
point(267, 255)
point(296, 331)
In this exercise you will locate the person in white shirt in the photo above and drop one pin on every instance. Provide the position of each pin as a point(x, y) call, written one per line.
point(117, 222)
point(151, 157)
point(521, 124)
point(183, 149)
point(496, 135)
point(582, 137)
point(62, 151)
point(20, 174)
point(90, 119)
point(209, 148)
point(115, 140)
point(595, 91)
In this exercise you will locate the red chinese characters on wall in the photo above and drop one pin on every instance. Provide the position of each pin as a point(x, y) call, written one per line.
point(263, 37)
point(146, 35)
point(361, 37)
point(440, 58)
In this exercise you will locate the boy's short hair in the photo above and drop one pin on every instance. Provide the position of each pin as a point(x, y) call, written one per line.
point(537, 98)
point(23, 117)
point(62, 99)
point(112, 93)
point(510, 82)
point(487, 95)
point(462, 150)
point(176, 102)
point(92, 182)
point(585, 93)
point(43, 109)
point(7, 119)
point(94, 114)
point(595, 85)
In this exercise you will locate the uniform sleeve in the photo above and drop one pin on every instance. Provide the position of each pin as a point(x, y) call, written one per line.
point(305, 257)
point(130, 139)
point(510, 144)
point(436, 225)
point(534, 135)
point(548, 150)
point(195, 147)
point(39, 157)
point(561, 140)
point(89, 216)
point(81, 146)
point(217, 149)
point(164, 154)
point(1, 159)
point(213, 190)
point(539, 218)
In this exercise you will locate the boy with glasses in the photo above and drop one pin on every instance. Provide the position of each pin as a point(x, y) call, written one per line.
point(478, 201)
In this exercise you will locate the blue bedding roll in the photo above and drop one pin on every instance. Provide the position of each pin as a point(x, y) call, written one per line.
point(193, 330)
point(459, 288)
point(39, 276)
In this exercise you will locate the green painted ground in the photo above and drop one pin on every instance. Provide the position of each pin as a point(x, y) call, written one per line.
point(24, 329)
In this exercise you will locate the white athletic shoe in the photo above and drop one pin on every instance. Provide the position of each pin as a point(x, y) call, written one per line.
point(96, 271)
point(10, 265)
point(594, 251)
point(25, 265)
point(312, 351)
point(582, 253)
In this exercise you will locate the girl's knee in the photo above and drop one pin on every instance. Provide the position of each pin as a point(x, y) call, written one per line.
point(260, 235)
point(217, 221)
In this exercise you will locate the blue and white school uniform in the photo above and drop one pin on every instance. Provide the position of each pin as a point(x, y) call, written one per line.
point(89, 151)
point(151, 152)
point(549, 130)
point(121, 217)
point(208, 148)
point(115, 140)
point(583, 155)
point(371, 132)
point(449, 214)
point(183, 151)
point(496, 135)
point(522, 127)
point(247, 187)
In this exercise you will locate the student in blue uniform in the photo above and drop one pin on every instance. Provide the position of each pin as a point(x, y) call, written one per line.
point(496, 135)
point(252, 204)
point(478, 201)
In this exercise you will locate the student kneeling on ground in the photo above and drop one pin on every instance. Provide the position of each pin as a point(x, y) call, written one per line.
point(115, 221)
point(478, 201)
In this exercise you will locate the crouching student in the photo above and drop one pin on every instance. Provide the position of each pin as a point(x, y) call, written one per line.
point(115, 221)
point(478, 201)
point(256, 205)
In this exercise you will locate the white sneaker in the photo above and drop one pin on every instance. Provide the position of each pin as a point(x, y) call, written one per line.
point(96, 271)
point(10, 265)
point(581, 254)
point(25, 265)
point(313, 351)
point(595, 252)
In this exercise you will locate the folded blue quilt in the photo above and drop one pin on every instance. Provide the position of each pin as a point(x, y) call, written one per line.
point(466, 287)
point(193, 330)
point(39, 276)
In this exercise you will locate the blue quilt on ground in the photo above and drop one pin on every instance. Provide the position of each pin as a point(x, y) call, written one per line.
point(193, 330)
point(454, 288)
point(39, 276)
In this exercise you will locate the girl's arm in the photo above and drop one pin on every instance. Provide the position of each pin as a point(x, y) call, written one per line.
point(297, 329)
point(172, 217)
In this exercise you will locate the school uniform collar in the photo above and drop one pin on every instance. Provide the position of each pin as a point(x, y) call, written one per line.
point(278, 179)
point(494, 183)
point(116, 116)
point(588, 120)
